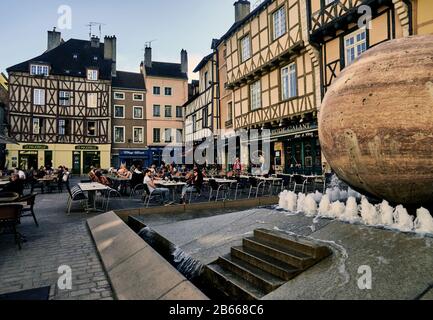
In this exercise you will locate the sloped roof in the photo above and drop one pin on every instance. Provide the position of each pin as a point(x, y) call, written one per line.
point(166, 70)
point(203, 62)
point(129, 80)
point(62, 61)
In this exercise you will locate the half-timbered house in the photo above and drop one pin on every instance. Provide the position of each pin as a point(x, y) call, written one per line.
point(59, 108)
point(272, 71)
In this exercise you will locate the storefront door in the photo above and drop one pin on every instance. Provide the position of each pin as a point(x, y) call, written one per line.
point(303, 156)
point(48, 159)
point(28, 160)
point(76, 162)
point(91, 159)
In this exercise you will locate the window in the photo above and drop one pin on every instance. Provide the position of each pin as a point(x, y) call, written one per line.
point(64, 98)
point(256, 95)
point(119, 134)
point(156, 135)
point(92, 74)
point(138, 113)
point(37, 124)
point(138, 97)
point(354, 45)
point(156, 110)
point(245, 48)
point(179, 135)
point(205, 115)
point(39, 70)
point(119, 112)
point(91, 128)
point(167, 135)
point(194, 122)
point(279, 20)
point(206, 80)
point(119, 96)
point(179, 112)
point(92, 100)
point(156, 91)
point(138, 134)
point(168, 91)
point(230, 111)
point(63, 127)
point(39, 97)
point(168, 111)
point(289, 82)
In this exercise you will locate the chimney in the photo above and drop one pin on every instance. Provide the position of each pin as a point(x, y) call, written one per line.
point(110, 52)
point(242, 9)
point(148, 57)
point(184, 61)
point(94, 41)
point(54, 39)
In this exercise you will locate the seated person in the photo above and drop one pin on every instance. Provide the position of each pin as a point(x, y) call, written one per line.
point(16, 185)
point(154, 190)
point(102, 180)
point(194, 184)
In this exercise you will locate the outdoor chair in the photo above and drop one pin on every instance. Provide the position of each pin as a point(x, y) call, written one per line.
point(28, 210)
point(9, 219)
point(255, 185)
point(276, 186)
point(287, 182)
point(238, 187)
point(138, 190)
point(320, 184)
point(108, 195)
point(300, 182)
point(76, 194)
point(35, 184)
point(214, 187)
point(196, 191)
point(149, 195)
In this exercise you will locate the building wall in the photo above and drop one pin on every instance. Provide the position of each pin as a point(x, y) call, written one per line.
point(178, 98)
point(423, 11)
point(129, 122)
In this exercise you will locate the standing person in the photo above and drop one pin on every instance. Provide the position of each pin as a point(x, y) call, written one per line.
point(237, 167)
point(21, 174)
point(164, 192)
point(194, 184)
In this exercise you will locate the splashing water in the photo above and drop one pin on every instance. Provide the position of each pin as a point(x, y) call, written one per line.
point(337, 209)
point(369, 213)
point(317, 196)
point(185, 264)
point(324, 206)
point(351, 212)
point(300, 203)
point(402, 220)
point(386, 213)
point(282, 203)
point(423, 221)
point(292, 199)
point(310, 206)
point(333, 194)
point(353, 193)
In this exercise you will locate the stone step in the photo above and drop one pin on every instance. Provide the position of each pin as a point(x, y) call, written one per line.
point(257, 277)
point(232, 285)
point(265, 263)
point(291, 257)
point(294, 243)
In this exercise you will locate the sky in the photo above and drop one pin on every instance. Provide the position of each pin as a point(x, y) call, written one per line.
point(173, 24)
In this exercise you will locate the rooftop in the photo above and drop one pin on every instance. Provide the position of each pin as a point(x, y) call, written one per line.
point(166, 70)
point(71, 58)
point(129, 80)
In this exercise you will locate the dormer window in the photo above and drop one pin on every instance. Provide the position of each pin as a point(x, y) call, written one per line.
point(92, 74)
point(75, 56)
point(95, 58)
point(39, 70)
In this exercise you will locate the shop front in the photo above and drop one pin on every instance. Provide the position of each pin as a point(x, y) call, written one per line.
point(78, 158)
point(296, 149)
point(132, 158)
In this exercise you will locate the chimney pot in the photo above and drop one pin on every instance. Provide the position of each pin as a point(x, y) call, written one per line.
point(242, 9)
point(148, 57)
point(110, 52)
point(94, 41)
point(184, 61)
point(54, 39)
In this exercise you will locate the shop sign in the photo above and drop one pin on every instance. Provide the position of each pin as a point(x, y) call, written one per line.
point(132, 153)
point(87, 148)
point(35, 147)
point(303, 135)
point(294, 129)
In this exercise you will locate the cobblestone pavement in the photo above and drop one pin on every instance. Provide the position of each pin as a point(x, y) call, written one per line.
point(59, 240)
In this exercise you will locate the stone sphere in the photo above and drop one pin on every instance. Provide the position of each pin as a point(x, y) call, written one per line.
point(376, 122)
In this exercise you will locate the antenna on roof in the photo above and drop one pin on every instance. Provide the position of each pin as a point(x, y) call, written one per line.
point(148, 44)
point(95, 24)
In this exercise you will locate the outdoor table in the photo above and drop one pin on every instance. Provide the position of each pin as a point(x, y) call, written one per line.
point(122, 181)
point(170, 185)
point(91, 189)
point(46, 181)
point(4, 183)
point(8, 199)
